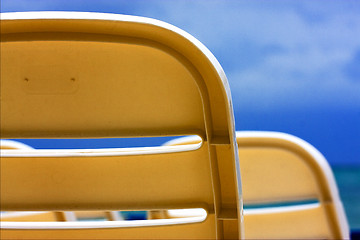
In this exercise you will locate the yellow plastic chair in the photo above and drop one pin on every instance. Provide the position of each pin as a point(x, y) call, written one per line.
point(288, 188)
point(279, 168)
point(38, 216)
point(31, 216)
point(89, 75)
point(51, 216)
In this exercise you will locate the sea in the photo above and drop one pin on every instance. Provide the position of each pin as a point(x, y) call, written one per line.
point(348, 181)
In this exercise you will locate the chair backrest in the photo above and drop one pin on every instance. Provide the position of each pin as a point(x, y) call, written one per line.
point(31, 216)
point(52, 216)
point(81, 75)
point(288, 188)
point(28, 216)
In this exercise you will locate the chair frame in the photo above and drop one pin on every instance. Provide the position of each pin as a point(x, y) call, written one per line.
point(211, 116)
point(328, 195)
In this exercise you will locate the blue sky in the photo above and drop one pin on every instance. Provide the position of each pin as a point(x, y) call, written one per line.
point(293, 66)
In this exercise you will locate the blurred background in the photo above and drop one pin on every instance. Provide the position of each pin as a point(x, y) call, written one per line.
point(293, 66)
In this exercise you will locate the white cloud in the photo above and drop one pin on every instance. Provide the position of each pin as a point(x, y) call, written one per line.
point(316, 41)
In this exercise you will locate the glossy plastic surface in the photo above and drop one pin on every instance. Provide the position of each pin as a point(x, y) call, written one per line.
point(288, 187)
point(79, 75)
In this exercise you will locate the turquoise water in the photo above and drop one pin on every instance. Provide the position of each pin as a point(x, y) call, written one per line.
point(348, 180)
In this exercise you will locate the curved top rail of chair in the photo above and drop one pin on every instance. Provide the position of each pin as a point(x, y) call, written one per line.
point(203, 67)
